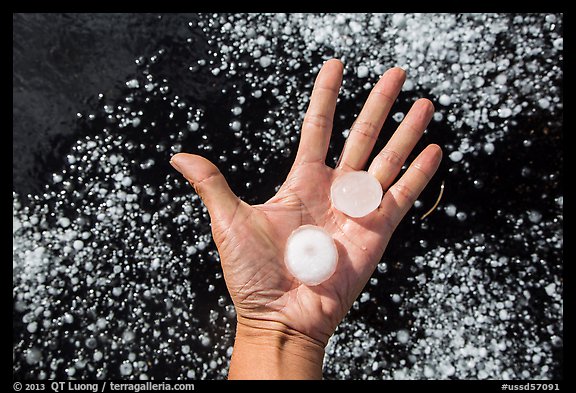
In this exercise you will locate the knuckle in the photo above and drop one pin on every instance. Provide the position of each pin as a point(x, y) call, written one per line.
point(382, 94)
point(391, 157)
point(327, 88)
point(365, 128)
point(317, 120)
point(200, 185)
point(405, 192)
point(418, 166)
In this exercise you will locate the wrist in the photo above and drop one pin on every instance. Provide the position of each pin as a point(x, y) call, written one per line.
point(272, 350)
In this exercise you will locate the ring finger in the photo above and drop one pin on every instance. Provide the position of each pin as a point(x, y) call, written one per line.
point(387, 164)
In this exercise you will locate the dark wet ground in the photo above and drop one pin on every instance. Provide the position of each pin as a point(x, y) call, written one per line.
point(62, 62)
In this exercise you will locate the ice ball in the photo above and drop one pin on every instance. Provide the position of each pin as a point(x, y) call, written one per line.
point(311, 255)
point(356, 193)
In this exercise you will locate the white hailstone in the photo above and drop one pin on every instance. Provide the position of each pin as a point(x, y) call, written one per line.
point(478, 82)
point(235, 125)
point(33, 356)
point(379, 68)
point(550, 289)
point(78, 244)
point(311, 255)
point(558, 43)
point(132, 84)
point(504, 112)
point(534, 216)
point(450, 210)
point(402, 336)
point(57, 178)
point(205, 341)
point(489, 148)
point(355, 26)
point(398, 117)
point(32, 327)
point(101, 323)
point(456, 156)
point(438, 116)
point(193, 126)
point(408, 85)
point(445, 100)
point(560, 201)
point(362, 71)
point(265, 61)
point(16, 224)
point(501, 79)
point(64, 222)
point(398, 20)
point(551, 18)
point(356, 193)
point(125, 368)
point(543, 103)
point(128, 336)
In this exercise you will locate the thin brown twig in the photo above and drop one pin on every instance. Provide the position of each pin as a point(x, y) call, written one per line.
point(436, 204)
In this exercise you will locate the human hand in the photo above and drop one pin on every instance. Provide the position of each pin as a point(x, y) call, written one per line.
point(274, 310)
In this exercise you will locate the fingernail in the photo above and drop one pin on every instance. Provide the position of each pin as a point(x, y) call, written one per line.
point(175, 165)
point(437, 157)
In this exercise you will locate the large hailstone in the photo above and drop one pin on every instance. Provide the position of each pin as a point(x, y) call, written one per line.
point(356, 193)
point(311, 255)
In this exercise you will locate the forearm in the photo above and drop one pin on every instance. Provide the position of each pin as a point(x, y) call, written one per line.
point(274, 352)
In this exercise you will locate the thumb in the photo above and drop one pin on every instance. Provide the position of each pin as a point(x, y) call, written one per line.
point(210, 185)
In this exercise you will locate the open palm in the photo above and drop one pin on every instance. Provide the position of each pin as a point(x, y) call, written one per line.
point(251, 239)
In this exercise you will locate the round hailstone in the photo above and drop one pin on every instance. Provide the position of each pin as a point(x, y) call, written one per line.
point(311, 255)
point(356, 193)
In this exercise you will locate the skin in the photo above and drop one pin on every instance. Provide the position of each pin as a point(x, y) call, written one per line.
point(283, 325)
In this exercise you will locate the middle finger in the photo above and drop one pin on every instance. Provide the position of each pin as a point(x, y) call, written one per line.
point(365, 130)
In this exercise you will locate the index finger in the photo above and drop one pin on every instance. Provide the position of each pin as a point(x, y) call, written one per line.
point(317, 124)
